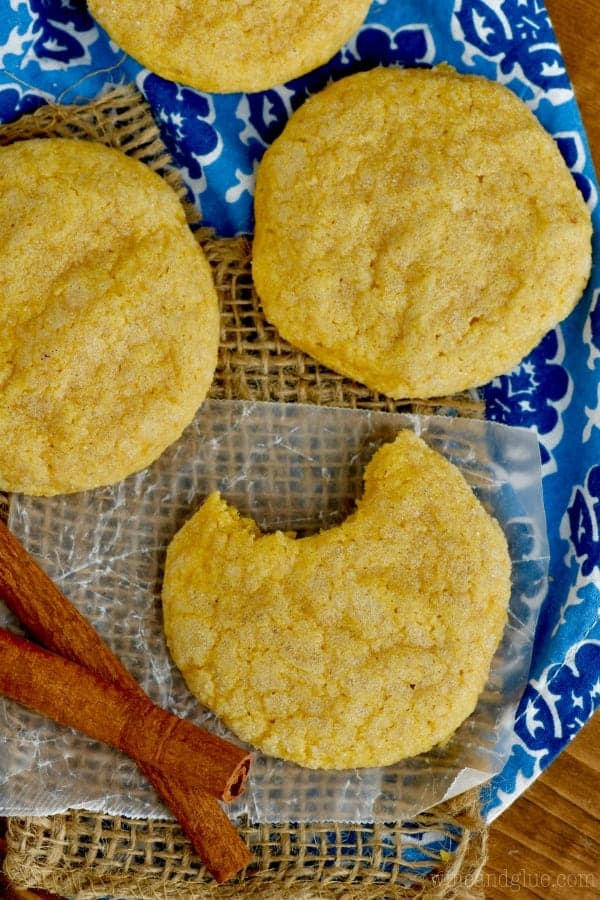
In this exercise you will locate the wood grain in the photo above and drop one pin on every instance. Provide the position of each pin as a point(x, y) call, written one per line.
point(547, 844)
point(577, 26)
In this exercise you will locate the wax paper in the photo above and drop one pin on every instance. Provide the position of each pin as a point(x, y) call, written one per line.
point(291, 467)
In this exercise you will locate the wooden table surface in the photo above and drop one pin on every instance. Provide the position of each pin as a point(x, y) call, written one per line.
point(547, 844)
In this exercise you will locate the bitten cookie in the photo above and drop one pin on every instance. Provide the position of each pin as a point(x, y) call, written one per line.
point(228, 45)
point(357, 646)
point(418, 231)
point(109, 321)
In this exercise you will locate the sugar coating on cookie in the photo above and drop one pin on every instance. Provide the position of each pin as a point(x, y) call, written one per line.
point(230, 45)
point(109, 321)
point(418, 230)
point(357, 646)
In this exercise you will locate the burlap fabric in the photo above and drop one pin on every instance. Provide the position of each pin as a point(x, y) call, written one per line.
point(85, 855)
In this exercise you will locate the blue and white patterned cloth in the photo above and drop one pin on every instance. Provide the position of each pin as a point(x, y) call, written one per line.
point(52, 50)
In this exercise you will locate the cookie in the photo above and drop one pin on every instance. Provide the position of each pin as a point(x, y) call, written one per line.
point(109, 321)
point(359, 645)
point(227, 45)
point(418, 231)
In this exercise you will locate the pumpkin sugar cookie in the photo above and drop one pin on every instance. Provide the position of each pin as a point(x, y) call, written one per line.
point(417, 230)
point(227, 45)
point(357, 646)
point(109, 321)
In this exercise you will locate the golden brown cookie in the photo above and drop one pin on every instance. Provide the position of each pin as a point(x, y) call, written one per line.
point(418, 230)
point(228, 45)
point(109, 320)
point(357, 646)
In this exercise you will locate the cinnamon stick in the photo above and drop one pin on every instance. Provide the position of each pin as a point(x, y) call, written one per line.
point(72, 695)
point(58, 625)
